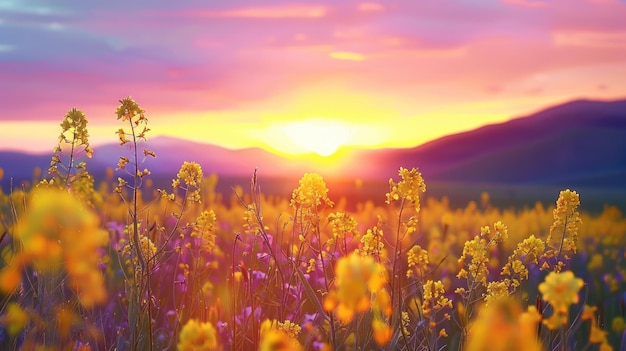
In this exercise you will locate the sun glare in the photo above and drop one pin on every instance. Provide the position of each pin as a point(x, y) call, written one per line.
point(316, 135)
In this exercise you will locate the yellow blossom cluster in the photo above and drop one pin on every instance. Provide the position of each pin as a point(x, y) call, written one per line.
point(408, 189)
point(341, 224)
point(358, 280)
point(190, 174)
point(417, 259)
point(292, 329)
point(204, 228)
point(197, 336)
point(405, 321)
point(279, 336)
point(57, 232)
point(500, 232)
point(15, 319)
point(476, 271)
point(311, 192)
point(73, 132)
point(561, 291)
point(148, 249)
point(528, 251)
point(497, 290)
point(188, 178)
point(434, 297)
point(372, 242)
point(564, 230)
point(503, 325)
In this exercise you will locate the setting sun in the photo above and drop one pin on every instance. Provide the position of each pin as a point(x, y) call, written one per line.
point(316, 135)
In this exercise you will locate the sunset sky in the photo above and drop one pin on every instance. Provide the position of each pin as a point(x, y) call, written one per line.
point(283, 74)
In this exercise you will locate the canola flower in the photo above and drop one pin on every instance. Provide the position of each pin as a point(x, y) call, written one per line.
point(188, 178)
point(561, 291)
point(198, 336)
point(503, 325)
point(358, 279)
point(372, 242)
point(341, 224)
point(311, 192)
point(408, 189)
point(15, 319)
point(434, 297)
point(73, 132)
point(58, 233)
point(563, 234)
point(204, 229)
point(279, 336)
point(596, 334)
point(417, 261)
point(526, 252)
point(148, 251)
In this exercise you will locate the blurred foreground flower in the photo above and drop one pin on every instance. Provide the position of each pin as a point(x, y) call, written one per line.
point(560, 290)
point(503, 326)
point(197, 336)
point(279, 336)
point(359, 279)
point(57, 232)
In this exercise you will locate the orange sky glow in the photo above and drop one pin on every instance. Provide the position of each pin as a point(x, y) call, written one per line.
point(295, 77)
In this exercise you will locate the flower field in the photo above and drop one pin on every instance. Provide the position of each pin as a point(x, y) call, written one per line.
point(124, 266)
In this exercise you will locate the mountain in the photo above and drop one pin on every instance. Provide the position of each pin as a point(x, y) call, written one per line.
point(579, 143)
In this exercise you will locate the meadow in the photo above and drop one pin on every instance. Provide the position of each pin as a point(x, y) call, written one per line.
point(124, 265)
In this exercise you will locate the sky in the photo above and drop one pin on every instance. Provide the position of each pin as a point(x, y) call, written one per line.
point(285, 75)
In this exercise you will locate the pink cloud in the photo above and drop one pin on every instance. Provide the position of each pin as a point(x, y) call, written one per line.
point(526, 3)
point(266, 12)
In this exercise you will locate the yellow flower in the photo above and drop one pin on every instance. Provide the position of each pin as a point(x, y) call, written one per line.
point(204, 228)
point(408, 189)
point(357, 278)
point(382, 332)
point(561, 289)
point(588, 312)
point(564, 230)
point(290, 328)
point(197, 336)
point(341, 224)
point(190, 173)
point(597, 335)
point(58, 232)
point(373, 242)
point(417, 259)
point(15, 319)
point(497, 290)
point(405, 323)
point(618, 325)
point(277, 336)
point(129, 110)
point(477, 267)
point(434, 297)
point(311, 192)
point(528, 251)
point(503, 326)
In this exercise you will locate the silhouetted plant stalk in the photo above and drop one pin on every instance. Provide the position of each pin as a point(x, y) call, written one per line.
point(140, 294)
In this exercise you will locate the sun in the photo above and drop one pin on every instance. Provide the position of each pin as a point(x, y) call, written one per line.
point(322, 137)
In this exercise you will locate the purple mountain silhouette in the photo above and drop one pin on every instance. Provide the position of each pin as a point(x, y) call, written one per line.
point(580, 143)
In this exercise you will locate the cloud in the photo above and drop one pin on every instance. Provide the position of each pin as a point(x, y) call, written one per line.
point(251, 57)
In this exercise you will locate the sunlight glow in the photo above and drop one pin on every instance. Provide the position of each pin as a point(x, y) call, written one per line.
point(316, 135)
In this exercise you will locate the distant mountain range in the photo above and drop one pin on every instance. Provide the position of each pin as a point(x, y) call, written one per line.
point(579, 143)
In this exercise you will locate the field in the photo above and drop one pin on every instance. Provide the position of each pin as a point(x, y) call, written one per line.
point(124, 265)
